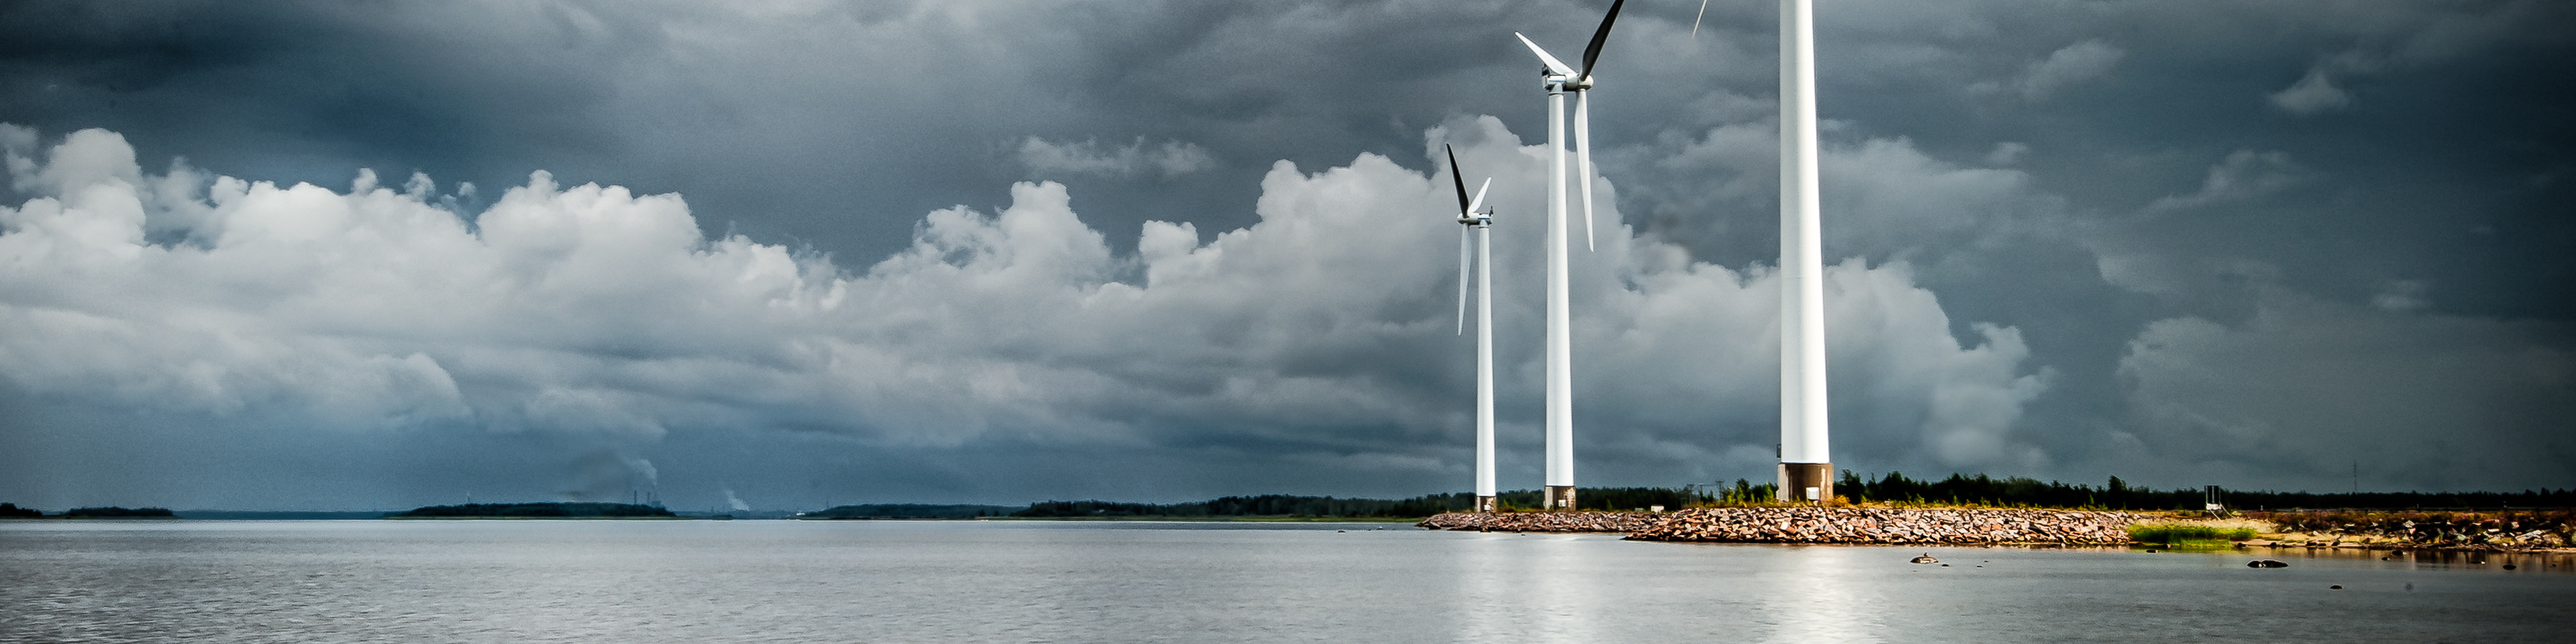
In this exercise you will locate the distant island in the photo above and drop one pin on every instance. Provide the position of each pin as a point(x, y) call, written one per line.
point(911, 511)
point(563, 510)
point(1893, 489)
point(12, 511)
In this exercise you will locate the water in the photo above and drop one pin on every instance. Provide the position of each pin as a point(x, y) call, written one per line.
point(963, 581)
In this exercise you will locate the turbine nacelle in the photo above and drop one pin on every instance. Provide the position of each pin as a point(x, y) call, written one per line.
point(1468, 216)
point(1561, 78)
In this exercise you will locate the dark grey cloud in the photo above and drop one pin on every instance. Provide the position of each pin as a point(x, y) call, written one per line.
point(2080, 233)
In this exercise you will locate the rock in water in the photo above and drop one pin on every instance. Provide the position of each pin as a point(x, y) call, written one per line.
point(1926, 559)
point(2266, 563)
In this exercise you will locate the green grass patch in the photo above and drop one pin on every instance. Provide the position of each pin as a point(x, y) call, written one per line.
point(2185, 535)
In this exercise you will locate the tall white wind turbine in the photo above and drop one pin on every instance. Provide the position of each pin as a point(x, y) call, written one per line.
point(1560, 381)
point(1478, 225)
point(1806, 466)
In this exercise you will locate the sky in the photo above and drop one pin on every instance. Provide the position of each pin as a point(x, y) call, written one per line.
point(786, 255)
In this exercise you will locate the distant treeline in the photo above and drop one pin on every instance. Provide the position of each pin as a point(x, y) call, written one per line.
point(1609, 498)
point(910, 511)
point(1895, 487)
point(281, 514)
point(113, 512)
point(12, 511)
point(1237, 506)
point(2119, 495)
point(537, 510)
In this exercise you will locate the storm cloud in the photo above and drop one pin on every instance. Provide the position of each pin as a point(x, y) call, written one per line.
point(606, 322)
point(829, 253)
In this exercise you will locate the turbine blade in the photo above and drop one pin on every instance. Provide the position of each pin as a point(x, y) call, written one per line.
point(1554, 66)
point(1593, 52)
point(1462, 278)
point(1703, 13)
point(1479, 203)
point(1583, 159)
point(1459, 179)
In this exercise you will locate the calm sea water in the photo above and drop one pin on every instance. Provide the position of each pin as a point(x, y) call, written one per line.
point(965, 581)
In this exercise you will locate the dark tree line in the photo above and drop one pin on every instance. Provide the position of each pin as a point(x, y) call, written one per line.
point(1236, 506)
point(113, 512)
point(2119, 495)
point(1895, 487)
point(909, 511)
point(12, 511)
point(537, 510)
point(1610, 498)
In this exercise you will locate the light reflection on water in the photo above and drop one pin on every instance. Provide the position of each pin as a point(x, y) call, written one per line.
point(1810, 592)
point(703, 581)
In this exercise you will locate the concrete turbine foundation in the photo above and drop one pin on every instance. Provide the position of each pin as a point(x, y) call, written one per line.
point(1806, 482)
point(1560, 497)
point(1487, 504)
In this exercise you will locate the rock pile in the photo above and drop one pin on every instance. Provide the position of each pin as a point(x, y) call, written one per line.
point(1542, 521)
point(1891, 526)
point(2491, 530)
point(1818, 525)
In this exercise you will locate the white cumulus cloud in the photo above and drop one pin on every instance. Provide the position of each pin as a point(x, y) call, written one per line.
point(606, 322)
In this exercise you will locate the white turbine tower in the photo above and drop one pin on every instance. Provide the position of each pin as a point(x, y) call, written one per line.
point(1806, 466)
point(1478, 225)
point(1560, 381)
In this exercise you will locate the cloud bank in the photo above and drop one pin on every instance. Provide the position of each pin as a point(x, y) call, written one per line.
point(2136, 192)
point(607, 322)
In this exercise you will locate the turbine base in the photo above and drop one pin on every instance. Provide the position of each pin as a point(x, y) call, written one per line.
point(1560, 497)
point(1806, 483)
point(1486, 504)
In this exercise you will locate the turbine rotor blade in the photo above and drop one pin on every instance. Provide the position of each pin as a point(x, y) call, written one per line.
point(1593, 52)
point(1554, 66)
point(1479, 203)
point(1459, 179)
point(1583, 159)
point(1462, 278)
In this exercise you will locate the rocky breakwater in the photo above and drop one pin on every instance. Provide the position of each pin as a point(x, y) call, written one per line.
point(2492, 530)
point(1542, 521)
point(1890, 526)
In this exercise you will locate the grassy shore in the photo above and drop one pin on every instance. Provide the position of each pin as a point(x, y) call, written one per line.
point(1220, 519)
point(2189, 536)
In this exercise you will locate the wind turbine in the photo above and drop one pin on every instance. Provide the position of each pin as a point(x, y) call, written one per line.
point(1479, 225)
point(1560, 79)
point(1806, 465)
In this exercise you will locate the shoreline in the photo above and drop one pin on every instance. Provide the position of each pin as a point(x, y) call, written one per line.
point(1905, 526)
point(1859, 526)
